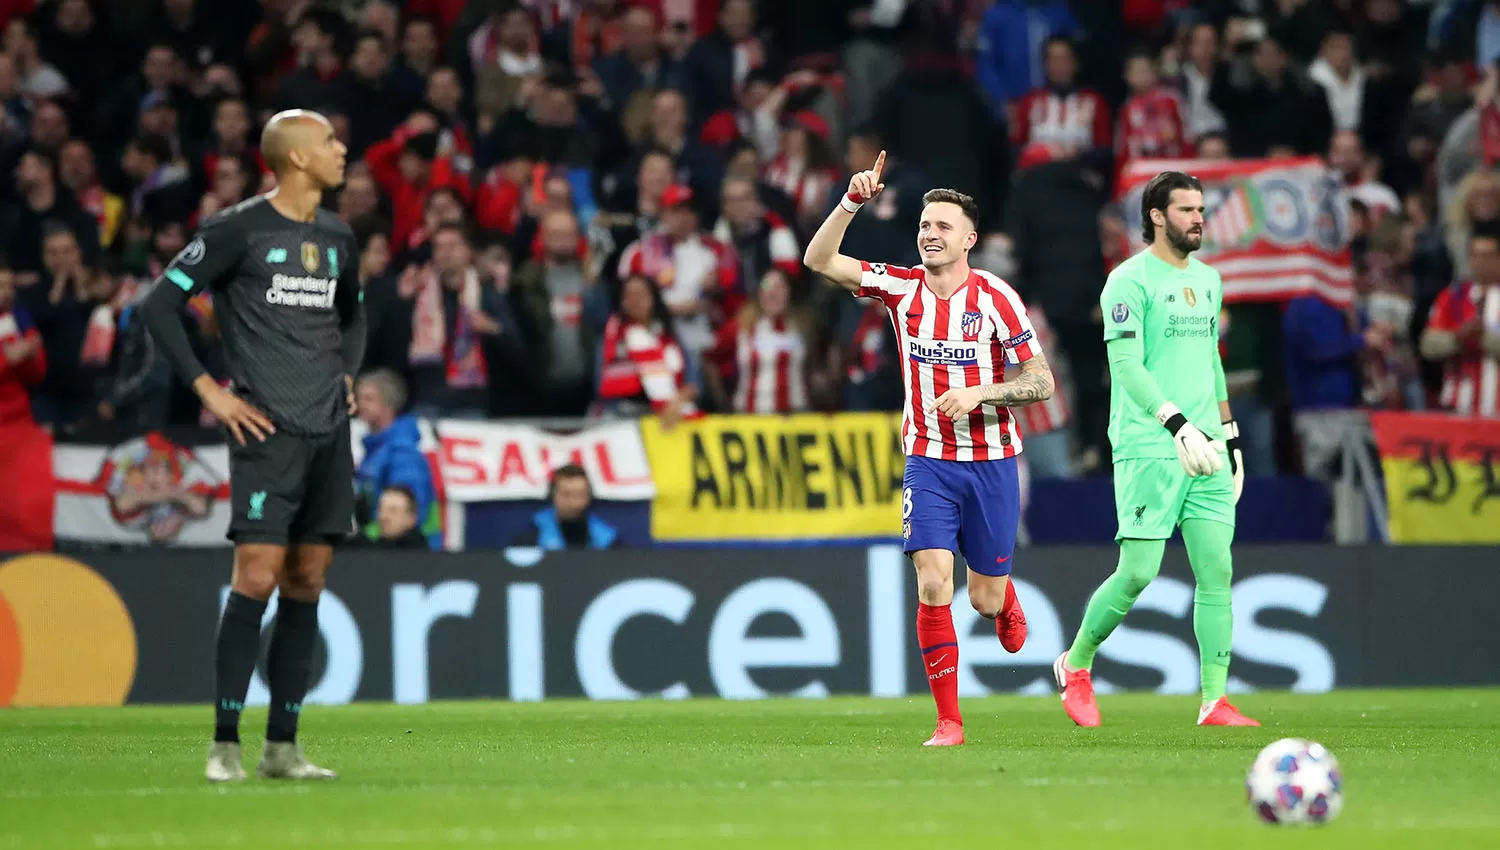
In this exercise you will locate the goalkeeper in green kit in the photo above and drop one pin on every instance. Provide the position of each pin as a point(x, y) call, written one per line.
point(1176, 447)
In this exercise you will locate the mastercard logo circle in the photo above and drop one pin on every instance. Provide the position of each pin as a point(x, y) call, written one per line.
point(65, 635)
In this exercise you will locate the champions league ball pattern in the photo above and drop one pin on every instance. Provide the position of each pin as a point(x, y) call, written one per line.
point(1294, 781)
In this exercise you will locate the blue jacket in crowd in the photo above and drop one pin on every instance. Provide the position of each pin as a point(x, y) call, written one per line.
point(1320, 353)
point(394, 457)
point(1012, 38)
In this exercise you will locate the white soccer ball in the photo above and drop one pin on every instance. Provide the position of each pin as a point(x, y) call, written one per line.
point(1295, 781)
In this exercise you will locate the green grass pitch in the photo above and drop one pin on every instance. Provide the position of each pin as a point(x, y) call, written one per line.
point(1422, 770)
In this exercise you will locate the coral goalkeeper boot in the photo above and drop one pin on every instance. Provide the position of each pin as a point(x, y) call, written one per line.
point(1223, 713)
point(1076, 687)
point(949, 733)
point(1010, 623)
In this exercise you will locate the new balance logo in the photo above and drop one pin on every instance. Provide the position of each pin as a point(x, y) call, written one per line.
point(257, 506)
point(276, 255)
point(231, 705)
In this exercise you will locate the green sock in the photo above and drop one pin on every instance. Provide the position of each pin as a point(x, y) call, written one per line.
point(1140, 560)
point(1208, 543)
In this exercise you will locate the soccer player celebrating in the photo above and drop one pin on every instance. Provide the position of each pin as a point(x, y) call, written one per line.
point(284, 274)
point(1168, 423)
point(957, 328)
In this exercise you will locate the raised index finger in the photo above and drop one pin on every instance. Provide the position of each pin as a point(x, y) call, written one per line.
point(879, 166)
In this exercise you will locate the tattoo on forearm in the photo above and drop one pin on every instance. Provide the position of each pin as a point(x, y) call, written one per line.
point(1032, 385)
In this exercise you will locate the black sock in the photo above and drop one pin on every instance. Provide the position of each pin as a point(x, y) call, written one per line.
point(289, 665)
point(235, 651)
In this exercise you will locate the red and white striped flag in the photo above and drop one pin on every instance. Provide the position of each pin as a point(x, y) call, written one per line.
point(1275, 228)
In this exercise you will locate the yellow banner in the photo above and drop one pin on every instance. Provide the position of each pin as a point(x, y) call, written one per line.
point(1442, 476)
point(776, 478)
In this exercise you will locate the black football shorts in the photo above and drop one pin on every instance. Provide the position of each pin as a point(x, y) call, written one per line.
point(292, 488)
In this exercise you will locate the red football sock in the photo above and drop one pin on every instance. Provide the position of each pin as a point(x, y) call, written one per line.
point(939, 645)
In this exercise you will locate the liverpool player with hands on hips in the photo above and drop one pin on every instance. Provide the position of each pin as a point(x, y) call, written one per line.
point(957, 327)
point(1177, 460)
point(284, 274)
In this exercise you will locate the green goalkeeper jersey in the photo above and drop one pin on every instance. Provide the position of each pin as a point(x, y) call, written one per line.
point(1175, 315)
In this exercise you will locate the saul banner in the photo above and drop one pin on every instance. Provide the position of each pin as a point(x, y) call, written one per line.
point(1274, 229)
point(769, 479)
point(1442, 476)
point(499, 461)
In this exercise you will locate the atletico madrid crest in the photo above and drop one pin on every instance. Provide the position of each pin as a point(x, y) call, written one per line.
point(970, 324)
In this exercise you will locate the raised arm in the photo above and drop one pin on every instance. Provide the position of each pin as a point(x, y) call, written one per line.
point(822, 254)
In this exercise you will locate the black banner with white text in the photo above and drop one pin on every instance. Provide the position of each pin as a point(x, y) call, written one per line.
point(739, 624)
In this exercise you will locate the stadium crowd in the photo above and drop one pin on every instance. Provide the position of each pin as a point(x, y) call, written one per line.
point(598, 207)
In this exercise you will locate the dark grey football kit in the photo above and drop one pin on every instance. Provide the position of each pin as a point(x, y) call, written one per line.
point(287, 299)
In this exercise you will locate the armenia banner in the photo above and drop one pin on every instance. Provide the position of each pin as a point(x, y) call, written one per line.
point(1442, 476)
point(776, 479)
point(1274, 229)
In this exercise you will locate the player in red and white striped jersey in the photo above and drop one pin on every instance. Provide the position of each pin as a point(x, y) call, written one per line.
point(986, 320)
point(1463, 331)
point(957, 327)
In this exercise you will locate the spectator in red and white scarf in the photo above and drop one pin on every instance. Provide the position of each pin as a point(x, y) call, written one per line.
point(761, 240)
point(1060, 120)
point(804, 167)
point(1151, 125)
point(766, 354)
point(697, 274)
point(409, 166)
point(464, 344)
point(23, 361)
point(643, 366)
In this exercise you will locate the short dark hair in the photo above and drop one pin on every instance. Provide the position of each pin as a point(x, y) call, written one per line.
point(454, 227)
point(1060, 40)
point(419, 18)
point(367, 34)
point(153, 145)
point(447, 192)
point(403, 490)
point(953, 196)
point(568, 470)
point(1158, 196)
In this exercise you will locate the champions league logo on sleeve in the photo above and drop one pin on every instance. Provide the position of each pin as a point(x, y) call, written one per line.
point(193, 253)
point(1120, 313)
